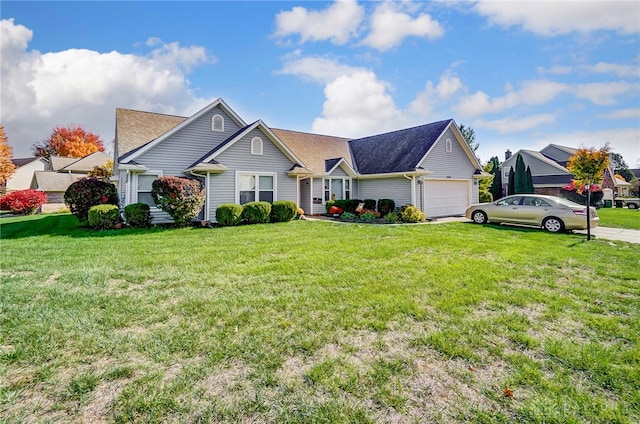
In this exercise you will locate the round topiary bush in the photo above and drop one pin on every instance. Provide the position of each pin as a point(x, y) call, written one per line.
point(228, 214)
point(103, 217)
point(87, 192)
point(283, 210)
point(256, 212)
point(138, 215)
point(181, 198)
point(23, 202)
point(386, 206)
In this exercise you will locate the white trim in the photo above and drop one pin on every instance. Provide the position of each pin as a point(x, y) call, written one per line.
point(254, 150)
point(344, 190)
point(257, 189)
point(213, 123)
point(348, 169)
point(206, 197)
point(448, 146)
point(456, 132)
point(134, 185)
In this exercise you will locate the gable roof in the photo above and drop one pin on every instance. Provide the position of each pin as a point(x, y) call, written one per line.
point(313, 149)
point(55, 181)
point(145, 147)
point(87, 163)
point(209, 157)
point(24, 161)
point(397, 151)
point(135, 128)
point(59, 162)
point(542, 158)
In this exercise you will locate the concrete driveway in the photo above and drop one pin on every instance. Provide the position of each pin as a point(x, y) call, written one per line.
point(608, 233)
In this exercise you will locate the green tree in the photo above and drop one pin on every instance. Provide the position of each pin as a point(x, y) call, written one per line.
point(470, 137)
point(588, 166)
point(511, 184)
point(496, 183)
point(522, 180)
point(484, 185)
point(530, 187)
point(620, 167)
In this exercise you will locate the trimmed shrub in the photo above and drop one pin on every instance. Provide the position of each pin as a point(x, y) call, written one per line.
point(386, 206)
point(229, 214)
point(411, 214)
point(283, 210)
point(181, 198)
point(23, 202)
point(347, 205)
point(391, 218)
point(102, 217)
point(348, 216)
point(370, 204)
point(138, 215)
point(256, 212)
point(87, 192)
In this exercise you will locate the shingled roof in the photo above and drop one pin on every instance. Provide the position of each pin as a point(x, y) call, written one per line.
point(87, 163)
point(135, 128)
point(397, 151)
point(313, 149)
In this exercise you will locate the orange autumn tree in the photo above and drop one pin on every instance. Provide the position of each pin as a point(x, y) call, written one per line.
point(7, 168)
point(588, 166)
point(73, 141)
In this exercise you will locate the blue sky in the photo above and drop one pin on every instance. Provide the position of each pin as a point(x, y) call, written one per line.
point(521, 74)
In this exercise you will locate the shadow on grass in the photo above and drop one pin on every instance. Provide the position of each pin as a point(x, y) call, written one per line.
point(65, 225)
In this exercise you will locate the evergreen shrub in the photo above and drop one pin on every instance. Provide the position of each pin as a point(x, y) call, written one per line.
point(369, 204)
point(229, 214)
point(283, 210)
point(386, 206)
point(87, 192)
point(138, 215)
point(102, 217)
point(256, 212)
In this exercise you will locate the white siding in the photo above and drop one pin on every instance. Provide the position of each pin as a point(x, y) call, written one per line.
point(22, 177)
point(238, 158)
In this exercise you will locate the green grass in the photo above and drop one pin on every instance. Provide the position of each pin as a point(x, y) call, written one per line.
point(620, 218)
point(316, 322)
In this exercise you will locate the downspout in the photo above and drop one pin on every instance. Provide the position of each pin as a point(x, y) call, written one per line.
point(413, 187)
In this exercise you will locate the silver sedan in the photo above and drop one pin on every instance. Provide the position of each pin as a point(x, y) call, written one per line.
point(554, 214)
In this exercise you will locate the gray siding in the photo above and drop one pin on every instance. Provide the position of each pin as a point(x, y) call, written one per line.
point(305, 196)
point(443, 164)
point(398, 189)
point(238, 158)
point(339, 172)
point(318, 192)
point(187, 145)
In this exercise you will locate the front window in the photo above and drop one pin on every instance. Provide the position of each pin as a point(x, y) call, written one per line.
point(337, 188)
point(252, 187)
point(144, 188)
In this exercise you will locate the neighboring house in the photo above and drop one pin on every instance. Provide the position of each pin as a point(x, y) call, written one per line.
point(23, 176)
point(60, 173)
point(549, 172)
point(429, 166)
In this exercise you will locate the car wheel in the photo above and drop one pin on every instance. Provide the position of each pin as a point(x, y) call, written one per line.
point(553, 225)
point(479, 217)
point(632, 206)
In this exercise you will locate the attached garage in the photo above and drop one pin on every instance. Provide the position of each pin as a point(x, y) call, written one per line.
point(446, 197)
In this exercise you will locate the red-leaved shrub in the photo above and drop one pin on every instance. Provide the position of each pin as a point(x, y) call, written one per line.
point(23, 202)
point(87, 192)
point(181, 198)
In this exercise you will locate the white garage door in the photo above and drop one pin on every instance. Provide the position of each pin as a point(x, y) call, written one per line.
point(446, 198)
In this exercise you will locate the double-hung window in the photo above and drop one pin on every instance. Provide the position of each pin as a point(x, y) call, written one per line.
point(143, 189)
point(252, 187)
point(337, 188)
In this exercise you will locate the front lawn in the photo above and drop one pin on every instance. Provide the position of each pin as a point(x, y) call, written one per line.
point(620, 218)
point(316, 322)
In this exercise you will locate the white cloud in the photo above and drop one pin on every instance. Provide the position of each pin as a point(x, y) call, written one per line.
point(555, 70)
point(357, 105)
point(433, 95)
point(390, 25)
point(563, 17)
point(532, 93)
point(315, 68)
point(604, 93)
point(615, 68)
point(337, 23)
point(41, 91)
point(512, 125)
point(632, 113)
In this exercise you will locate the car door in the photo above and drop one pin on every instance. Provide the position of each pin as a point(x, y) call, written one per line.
point(507, 209)
point(533, 210)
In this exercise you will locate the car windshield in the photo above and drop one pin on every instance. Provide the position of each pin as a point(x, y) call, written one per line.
point(568, 203)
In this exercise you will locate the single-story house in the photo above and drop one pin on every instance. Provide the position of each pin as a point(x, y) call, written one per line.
point(429, 166)
point(22, 177)
point(549, 172)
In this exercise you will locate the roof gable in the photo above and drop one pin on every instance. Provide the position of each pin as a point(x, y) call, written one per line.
point(135, 128)
point(540, 164)
point(88, 162)
point(397, 151)
point(314, 149)
point(133, 154)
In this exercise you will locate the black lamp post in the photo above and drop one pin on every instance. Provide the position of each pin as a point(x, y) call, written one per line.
point(588, 186)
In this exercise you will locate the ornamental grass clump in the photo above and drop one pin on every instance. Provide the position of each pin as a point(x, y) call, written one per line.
point(103, 217)
point(229, 214)
point(411, 214)
point(256, 212)
point(283, 210)
point(181, 198)
point(138, 215)
point(87, 192)
point(23, 202)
